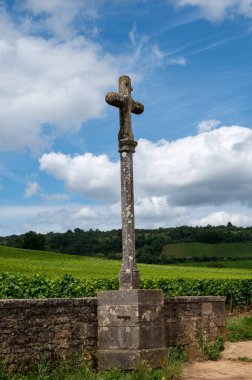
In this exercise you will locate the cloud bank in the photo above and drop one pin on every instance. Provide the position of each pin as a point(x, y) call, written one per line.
point(48, 86)
point(210, 168)
point(217, 10)
point(198, 180)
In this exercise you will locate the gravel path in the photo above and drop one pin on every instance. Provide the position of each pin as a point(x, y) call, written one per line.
point(229, 367)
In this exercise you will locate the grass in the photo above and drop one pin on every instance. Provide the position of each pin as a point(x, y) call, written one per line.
point(239, 329)
point(237, 250)
point(55, 265)
point(244, 359)
point(238, 264)
point(64, 371)
point(212, 350)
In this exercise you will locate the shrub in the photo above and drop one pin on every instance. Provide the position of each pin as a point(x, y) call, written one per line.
point(212, 350)
point(237, 292)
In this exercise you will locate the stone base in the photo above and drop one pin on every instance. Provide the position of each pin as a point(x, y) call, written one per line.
point(131, 329)
point(131, 359)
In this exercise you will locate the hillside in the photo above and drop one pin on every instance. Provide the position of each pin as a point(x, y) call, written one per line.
point(157, 246)
point(227, 250)
point(55, 265)
point(222, 255)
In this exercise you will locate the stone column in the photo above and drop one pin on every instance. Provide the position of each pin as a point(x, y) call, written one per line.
point(130, 320)
point(129, 275)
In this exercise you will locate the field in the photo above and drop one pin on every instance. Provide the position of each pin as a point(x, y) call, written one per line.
point(236, 255)
point(238, 264)
point(232, 250)
point(55, 265)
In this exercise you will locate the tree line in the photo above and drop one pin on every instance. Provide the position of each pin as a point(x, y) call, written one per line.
point(149, 242)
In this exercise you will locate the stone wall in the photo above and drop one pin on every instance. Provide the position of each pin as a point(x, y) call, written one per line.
point(189, 321)
point(49, 328)
point(59, 328)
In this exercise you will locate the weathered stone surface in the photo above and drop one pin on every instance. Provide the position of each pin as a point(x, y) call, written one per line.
point(189, 320)
point(130, 321)
point(56, 328)
point(125, 297)
point(131, 359)
point(207, 308)
point(129, 275)
point(131, 337)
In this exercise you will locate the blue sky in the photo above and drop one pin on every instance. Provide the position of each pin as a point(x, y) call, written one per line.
point(190, 64)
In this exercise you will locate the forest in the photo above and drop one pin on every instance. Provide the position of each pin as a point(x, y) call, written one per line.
point(152, 245)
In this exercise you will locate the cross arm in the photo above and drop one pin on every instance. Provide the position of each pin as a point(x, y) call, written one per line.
point(137, 107)
point(114, 99)
point(117, 100)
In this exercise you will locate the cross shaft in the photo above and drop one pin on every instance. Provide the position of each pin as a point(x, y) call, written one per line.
point(129, 275)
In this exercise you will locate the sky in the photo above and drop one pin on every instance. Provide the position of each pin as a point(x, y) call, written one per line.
point(190, 62)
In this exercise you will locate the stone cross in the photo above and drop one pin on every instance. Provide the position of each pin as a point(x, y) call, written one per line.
point(129, 275)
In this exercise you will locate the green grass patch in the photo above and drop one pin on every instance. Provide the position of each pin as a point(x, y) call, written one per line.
point(212, 350)
point(244, 359)
point(239, 329)
point(237, 250)
point(238, 264)
point(55, 265)
point(65, 371)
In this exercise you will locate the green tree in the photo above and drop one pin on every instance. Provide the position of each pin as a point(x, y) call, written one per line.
point(32, 240)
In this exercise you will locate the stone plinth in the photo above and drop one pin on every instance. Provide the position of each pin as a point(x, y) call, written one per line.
point(131, 329)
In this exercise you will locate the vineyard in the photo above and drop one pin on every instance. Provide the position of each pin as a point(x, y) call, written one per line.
point(227, 250)
point(38, 274)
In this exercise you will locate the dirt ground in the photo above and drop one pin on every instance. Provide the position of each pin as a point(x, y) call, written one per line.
point(228, 367)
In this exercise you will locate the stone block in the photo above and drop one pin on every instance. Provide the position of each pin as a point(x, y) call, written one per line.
point(132, 338)
point(207, 308)
point(119, 315)
point(118, 338)
point(131, 359)
point(130, 297)
point(129, 321)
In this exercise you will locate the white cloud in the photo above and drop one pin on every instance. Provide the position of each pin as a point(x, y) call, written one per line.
point(92, 176)
point(43, 218)
point(208, 125)
point(223, 217)
point(178, 61)
point(58, 16)
point(217, 10)
point(32, 189)
point(152, 211)
point(146, 55)
point(132, 35)
point(157, 54)
point(160, 57)
point(207, 169)
point(48, 82)
point(19, 219)
point(52, 86)
point(86, 213)
point(61, 197)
